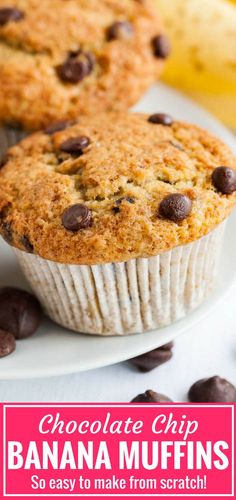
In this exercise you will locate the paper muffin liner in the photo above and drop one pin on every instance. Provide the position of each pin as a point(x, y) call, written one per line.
point(9, 136)
point(129, 297)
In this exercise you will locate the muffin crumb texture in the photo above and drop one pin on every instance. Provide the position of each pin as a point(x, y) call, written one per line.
point(110, 188)
point(69, 57)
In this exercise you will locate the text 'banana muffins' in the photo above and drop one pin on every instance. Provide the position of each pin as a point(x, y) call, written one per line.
point(117, 220)
point(68, 57)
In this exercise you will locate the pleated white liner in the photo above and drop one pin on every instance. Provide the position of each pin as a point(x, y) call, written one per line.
point(128, 297)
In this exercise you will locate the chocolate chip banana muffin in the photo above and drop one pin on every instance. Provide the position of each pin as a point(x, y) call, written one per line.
point(117, 219)
point(68, 57)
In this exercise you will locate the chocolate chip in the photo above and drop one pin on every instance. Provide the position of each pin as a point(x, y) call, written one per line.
point(4, 161)
point(7, 232)
point(20, 312)
point(175, 207)
point(120, 200)
point(7, 343)
point(151, 397)
point(161, 119)
point(26, 243)
point(224, 180)
point(57, 126)
point(120, 30)
point(8, 14)
point(75, 145)
point(77, 66)
point(212, 390)
point(77, 217)
point(161, 46)
point(150, 360)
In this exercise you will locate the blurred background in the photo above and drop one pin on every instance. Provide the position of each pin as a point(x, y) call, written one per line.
point(203, 60)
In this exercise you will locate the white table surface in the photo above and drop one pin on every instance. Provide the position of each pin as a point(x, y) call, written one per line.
point(208, 349)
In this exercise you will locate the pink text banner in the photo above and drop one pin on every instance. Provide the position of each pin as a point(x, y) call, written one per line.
point(117, 450)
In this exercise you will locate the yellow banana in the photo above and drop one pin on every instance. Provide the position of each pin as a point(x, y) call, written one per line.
point(203, 61)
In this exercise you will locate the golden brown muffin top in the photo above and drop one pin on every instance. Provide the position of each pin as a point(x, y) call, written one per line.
point(99, 191)
point(62, 58)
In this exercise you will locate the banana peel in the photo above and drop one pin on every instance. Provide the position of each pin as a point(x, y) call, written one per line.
point(203, 60)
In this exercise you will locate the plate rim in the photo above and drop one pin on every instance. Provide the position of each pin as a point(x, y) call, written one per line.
point(180, 327)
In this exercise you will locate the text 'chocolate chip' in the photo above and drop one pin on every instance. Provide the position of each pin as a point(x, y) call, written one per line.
point(77, 217)
point(175, 207)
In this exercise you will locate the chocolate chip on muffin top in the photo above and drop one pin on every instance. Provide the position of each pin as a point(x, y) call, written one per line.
point(120, 29)
point(77, 217)
point(75, 145)
point(224, 180)
point(10, 14)
point(110, 188)
point(76, 67)
point(161, 46)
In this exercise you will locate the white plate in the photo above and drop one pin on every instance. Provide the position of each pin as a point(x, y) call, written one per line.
point(54, 350)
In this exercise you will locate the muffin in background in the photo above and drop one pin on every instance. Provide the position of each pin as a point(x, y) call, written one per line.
point(66, 58)
point(117, 220)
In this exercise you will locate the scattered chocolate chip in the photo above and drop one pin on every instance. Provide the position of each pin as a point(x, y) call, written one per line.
point(120, 30)
point(119, 201)
point(161, 119)
point(212, 390)
point(150, 360)
point(175, 207)
point(20, 312)
point(26, 243)
point(77, 217)
point(75, 145)
point(57, 126)
point(7, 232)
point(8, 14)
point(151, 397)
point(161, 46)
point(224, 180)
point(7, 343)
point(77, 66)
